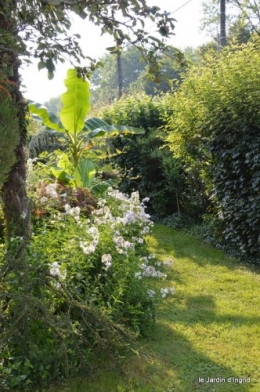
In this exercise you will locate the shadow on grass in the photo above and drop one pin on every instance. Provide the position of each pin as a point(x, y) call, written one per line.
point(183, 244)
point(200, 309)
point(168, 361)
point(184, 368)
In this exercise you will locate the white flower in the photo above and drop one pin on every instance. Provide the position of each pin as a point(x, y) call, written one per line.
point(87, 248)
point(51, 191)
point(93, 231)
point(127, 244)
point(76, 210)
point(165, 291)
point(73, 211)
point(107, 260)
point(145, 230)
point(101, 203)
point(168, 263)
point(130, 217)
point(135, 196)
point(43, 199)
point(55, 269)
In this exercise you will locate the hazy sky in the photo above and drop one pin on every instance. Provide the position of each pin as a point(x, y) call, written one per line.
point(36, 84)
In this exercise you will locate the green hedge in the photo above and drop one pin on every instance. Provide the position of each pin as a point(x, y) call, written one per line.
point(216, 130)
point(146, 164)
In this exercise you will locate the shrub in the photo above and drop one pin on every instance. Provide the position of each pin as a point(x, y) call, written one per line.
point(215, 130)
point(147, 165)
point(84, 290)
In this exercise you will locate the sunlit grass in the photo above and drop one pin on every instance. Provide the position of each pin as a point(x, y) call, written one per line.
point(209, 329)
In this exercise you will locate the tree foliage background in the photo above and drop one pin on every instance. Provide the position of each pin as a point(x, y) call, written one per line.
point(242, 17)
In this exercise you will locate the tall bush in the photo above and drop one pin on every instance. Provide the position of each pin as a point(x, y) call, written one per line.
point(215, 131)
point(87, 286)
point(147, 165)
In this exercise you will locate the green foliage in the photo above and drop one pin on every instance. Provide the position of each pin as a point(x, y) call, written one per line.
point(242, 19)
point(83, 291)
point(147, 166)
point(75, 103)
point(45, 141)
point(134, 76)
point(140, 110)
point(47, 25)
point(104, 80)
point(75, 169)
point(215, 130)
point(9, 138)
point(215, 306)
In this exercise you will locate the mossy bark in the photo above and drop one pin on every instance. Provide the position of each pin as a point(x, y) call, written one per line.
point(14, 194)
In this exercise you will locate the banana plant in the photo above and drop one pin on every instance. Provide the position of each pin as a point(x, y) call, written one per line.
point(78, 132)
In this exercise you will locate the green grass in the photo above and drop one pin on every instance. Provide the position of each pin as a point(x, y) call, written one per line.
point(209, 329)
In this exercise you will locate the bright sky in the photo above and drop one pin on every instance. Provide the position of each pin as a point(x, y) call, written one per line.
point(187, 13)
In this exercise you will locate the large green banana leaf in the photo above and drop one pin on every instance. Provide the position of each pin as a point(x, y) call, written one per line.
point(85, 173)
point(47, 118)
point(94, 123)
point(99, 128)
point(76, 102)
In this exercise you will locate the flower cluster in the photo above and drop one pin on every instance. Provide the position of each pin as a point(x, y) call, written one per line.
point(147, 270)
point(55, 271)
point(51, 190)
point(112, 238)
point(122, 245)
point(107, 260)
point(167, 291)
point(126, 218)
point(90, 245)
point(73, 211)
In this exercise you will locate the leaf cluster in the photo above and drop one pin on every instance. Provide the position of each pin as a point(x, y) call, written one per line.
point(41, 28)
point(215, 131)
point(145, 162)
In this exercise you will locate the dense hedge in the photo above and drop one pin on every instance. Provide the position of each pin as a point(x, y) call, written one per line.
point(147, 166)
point(216, 129)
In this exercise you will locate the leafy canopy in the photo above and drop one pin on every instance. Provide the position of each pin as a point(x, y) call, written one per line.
point(41, 28)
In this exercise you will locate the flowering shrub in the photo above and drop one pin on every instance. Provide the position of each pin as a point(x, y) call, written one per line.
point(103, 258)
point(89, 277)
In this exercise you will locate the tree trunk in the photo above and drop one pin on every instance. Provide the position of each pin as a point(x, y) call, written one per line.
point(223, 35)
point(14, 194)
point(119, 75)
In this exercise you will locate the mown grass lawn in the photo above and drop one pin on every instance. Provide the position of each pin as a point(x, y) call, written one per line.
point(209, 329)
